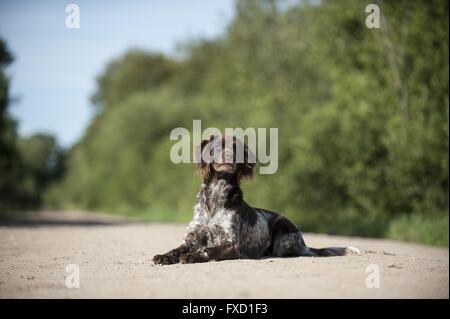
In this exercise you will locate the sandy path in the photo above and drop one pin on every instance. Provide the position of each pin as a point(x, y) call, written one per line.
point(115, 261)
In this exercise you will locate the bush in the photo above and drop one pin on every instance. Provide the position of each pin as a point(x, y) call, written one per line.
point(431, 230)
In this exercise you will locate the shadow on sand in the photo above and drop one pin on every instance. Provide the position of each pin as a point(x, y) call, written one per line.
point(76, 219)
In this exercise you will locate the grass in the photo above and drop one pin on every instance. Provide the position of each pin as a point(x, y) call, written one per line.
point(430, 230)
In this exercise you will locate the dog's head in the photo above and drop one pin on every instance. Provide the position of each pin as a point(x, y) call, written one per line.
point(224, 155)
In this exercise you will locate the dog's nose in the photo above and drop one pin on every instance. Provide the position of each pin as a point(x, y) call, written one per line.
point(223, 157)
point(228, 157)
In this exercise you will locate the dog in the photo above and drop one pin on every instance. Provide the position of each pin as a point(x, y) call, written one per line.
point(224, 226)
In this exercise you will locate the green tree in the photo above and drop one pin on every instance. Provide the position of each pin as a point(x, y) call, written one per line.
point(43, 161)
point(11, 194)
point(136, 71)
point(362, 117)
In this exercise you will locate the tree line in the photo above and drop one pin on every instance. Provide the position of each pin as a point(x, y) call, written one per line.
point(362, 116)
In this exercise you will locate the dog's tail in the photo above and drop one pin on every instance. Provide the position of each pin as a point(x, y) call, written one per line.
point(331, 251)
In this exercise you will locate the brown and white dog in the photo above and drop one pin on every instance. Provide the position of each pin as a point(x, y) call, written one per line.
point(224, 226)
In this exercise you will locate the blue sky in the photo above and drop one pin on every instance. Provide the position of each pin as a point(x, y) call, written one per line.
point(54, 71)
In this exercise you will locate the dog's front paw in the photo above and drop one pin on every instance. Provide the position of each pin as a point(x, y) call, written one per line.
point(187, 259)
point(164, 260)
point(192, 258)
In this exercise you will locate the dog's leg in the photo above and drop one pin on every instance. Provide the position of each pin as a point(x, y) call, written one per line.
point(224, 251)
point(287, 241)
point(193, 240)
point(173, 256)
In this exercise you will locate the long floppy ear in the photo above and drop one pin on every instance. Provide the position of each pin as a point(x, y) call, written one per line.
point(249, 163)
point(203, 167)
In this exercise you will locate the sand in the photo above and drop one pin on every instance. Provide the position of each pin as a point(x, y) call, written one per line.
point(114, 260)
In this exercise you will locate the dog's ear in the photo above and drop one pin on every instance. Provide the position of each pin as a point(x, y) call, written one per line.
point(249, 163)
point(202, 153)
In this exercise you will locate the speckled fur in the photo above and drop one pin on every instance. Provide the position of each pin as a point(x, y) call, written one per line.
point(224, 226)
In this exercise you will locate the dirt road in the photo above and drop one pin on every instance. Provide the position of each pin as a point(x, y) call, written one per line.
point(114, 260)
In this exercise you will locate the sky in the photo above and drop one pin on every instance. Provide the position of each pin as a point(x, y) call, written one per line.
point(55, 67)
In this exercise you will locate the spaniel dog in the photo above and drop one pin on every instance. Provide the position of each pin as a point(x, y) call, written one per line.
point(224, 226)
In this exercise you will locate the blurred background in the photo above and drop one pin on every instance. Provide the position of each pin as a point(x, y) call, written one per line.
point(363, 114)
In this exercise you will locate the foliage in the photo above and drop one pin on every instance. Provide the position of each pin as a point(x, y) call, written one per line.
point(43, 164)
point(431, 230)
point(362, 117)
point(11, 192)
